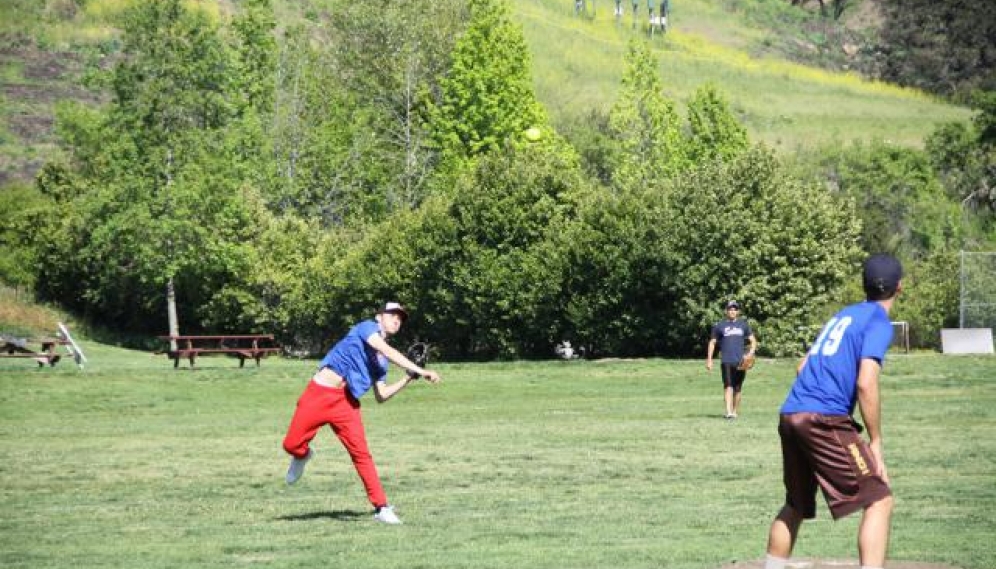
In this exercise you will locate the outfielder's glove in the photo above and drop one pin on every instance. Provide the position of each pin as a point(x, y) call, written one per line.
point(746, 362)
point(418, 353)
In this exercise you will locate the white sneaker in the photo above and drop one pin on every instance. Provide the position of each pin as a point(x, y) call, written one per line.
point(386, 515)
point(297, 465)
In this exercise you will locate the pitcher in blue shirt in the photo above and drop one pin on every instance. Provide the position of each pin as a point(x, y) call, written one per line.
point(821, 442)
point(354, 365)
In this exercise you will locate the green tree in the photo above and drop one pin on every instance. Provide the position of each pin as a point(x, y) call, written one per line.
point(253, 88)
point(929, 302)
point(964, 157)
point(24, 213)
point(487, 97)
point(942, 47)
point(481, 266)
point(749, 230)
point(256, 55)
point(395, 54)
point(714, 131)
point(902, 205)
point(323, 141)
point(175, 79)
point(594, 142)
point(158, 189)
point(645, 124)
point(401, 257)
point(506, 278)
point(618, 280)
point(985, 119)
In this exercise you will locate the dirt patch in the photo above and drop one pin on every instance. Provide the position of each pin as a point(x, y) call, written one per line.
point(36, 81)
point(864, 15)
point(31, 128)
point(836, 564)
point(39, 65)
point(18, 170)
point(50, 68)
point(48, 94)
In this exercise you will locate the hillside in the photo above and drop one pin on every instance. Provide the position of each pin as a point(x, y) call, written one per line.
point(21, 316)
point(45, 48)
point(577, 65)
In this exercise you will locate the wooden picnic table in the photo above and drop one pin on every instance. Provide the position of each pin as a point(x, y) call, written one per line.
point(242, 346)
point(18, 348)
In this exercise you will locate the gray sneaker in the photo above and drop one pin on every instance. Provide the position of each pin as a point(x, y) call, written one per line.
point(296, 469)
point(386, 515)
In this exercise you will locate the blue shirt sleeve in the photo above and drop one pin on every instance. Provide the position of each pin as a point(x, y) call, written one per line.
point(378, 362)
point(877, 340)
point(356, 360)
point(366, 329)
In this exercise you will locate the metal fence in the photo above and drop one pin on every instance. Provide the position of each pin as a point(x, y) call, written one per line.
point(977, 301)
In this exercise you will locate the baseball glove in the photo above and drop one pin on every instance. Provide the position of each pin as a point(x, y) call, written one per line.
point(746, 362)
point(418, 353)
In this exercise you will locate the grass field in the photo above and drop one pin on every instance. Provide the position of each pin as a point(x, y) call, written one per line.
point(615, 464)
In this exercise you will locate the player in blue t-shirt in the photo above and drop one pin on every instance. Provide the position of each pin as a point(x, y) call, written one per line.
point(821, 442)
point(353, 366)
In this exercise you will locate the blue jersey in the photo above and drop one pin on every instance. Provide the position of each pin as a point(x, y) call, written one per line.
point(828, 382)
point(356, 361)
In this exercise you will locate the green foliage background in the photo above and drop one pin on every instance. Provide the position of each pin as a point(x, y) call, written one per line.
point(290, 174)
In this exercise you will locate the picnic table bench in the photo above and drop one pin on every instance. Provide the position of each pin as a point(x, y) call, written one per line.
point(244, 347)
point(18, 348)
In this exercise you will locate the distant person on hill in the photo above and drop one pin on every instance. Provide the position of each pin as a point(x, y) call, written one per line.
point(730, 334)
point(821, 442)
point(353, 366)
point(664, 13)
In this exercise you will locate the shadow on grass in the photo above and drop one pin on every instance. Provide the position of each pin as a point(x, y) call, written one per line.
point(342, 515)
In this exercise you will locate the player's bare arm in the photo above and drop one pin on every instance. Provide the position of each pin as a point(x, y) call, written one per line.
point(380, 344)
point(384, 391)
point(870, 404)
point(710, 350)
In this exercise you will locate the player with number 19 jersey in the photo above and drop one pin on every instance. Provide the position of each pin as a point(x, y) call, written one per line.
point(827, 383)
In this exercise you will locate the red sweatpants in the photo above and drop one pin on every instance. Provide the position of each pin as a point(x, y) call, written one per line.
point(320, 405)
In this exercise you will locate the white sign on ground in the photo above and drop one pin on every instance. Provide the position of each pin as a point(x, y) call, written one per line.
point(967, 340)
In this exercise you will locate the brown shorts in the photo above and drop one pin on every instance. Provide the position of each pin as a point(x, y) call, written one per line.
point(828, 450)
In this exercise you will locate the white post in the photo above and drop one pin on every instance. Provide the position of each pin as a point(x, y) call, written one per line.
point(174, 324)
point(961, 291)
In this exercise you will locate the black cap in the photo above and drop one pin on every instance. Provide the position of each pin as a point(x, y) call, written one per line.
point(881, 276)
point(733, 304)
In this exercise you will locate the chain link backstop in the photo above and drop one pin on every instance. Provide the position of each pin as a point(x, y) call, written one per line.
point(977, 303)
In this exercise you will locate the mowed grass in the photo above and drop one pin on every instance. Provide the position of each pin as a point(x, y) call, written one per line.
point(614, 464)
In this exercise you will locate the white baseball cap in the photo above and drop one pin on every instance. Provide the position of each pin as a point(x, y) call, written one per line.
point(396, 308)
